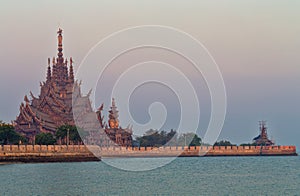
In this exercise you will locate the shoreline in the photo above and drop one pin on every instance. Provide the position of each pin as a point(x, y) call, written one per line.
point(45, 154)
point(47, 159)
point(198, 151)
point(82, 153)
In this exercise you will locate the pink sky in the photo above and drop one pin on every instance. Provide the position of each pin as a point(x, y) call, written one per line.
point(256, 45)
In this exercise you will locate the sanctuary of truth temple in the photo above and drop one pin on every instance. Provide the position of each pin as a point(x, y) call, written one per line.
point(60, 95)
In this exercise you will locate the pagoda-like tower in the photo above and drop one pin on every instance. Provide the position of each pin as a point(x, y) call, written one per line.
point(262, 138)
point(53, 107)
point(115, 133)
point(113, 121)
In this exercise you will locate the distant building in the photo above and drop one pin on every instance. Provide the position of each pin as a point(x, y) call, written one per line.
point(108, 135)
point(262, 138)
point(60, 96)
point(116, 133)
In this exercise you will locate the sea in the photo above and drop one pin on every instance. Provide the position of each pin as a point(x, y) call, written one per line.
point(182, 176)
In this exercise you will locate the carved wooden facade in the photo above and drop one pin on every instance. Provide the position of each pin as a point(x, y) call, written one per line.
point(60, 95)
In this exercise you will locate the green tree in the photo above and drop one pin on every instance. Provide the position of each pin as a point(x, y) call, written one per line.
point(45, 139)
point(196, 141)
point(248, 144)
point(154, 138)
point(8, 135)
point(224, 143)
point(75, 134)
point(189, 139)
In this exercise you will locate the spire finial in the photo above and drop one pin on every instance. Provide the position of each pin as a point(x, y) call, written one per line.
point(60, 48)
point(113, 103)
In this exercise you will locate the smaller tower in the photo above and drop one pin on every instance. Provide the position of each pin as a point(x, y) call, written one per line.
point(54, 70)
point(48, 72)
point(262, 138)
point(66, 71)
point(113, 116)
point(71, 75)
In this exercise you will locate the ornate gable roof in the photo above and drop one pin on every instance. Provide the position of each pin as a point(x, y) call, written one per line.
point(53, 107)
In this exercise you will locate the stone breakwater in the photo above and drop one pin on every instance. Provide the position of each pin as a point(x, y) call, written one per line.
point(198, 151)
point(78, 153)
point(46, 153)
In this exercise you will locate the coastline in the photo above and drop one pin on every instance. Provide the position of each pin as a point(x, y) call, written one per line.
point(45, 154)
point(198, 151)
point(80, 153)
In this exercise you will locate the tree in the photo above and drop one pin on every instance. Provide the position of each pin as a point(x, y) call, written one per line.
point(8, 135)
point(196, 141)
point(150, 139)
point(45, 139)
point(75, 134)
point(248, 144)
point(224, 143)
point(171, 138)
point(189, 139)
point(154, 138)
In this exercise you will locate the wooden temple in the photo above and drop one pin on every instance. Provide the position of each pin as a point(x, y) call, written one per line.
point(59, 96)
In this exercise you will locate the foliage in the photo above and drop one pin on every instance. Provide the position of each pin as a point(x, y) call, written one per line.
point(189, 139)
point(154, 138)
point(45, 139)
point(8, 135)
point(224, 143)
point(249, 144)
point(75, 134)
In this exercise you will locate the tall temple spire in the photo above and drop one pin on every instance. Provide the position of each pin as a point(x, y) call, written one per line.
point(60, 73)
point(60, 58)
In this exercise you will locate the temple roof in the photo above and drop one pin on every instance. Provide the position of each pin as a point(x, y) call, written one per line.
point(53, 106)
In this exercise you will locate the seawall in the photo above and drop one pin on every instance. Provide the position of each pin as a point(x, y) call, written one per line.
point(198, 151)
point(78, 153)
point(46, 153)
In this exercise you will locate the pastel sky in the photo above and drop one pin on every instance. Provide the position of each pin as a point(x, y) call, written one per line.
point(255, 44)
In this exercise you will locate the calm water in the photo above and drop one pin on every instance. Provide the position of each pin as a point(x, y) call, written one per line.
point(184, 176)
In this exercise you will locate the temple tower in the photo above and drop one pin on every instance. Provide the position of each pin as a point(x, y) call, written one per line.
point(113, 121)
point(262, 138)
point(53, 107)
